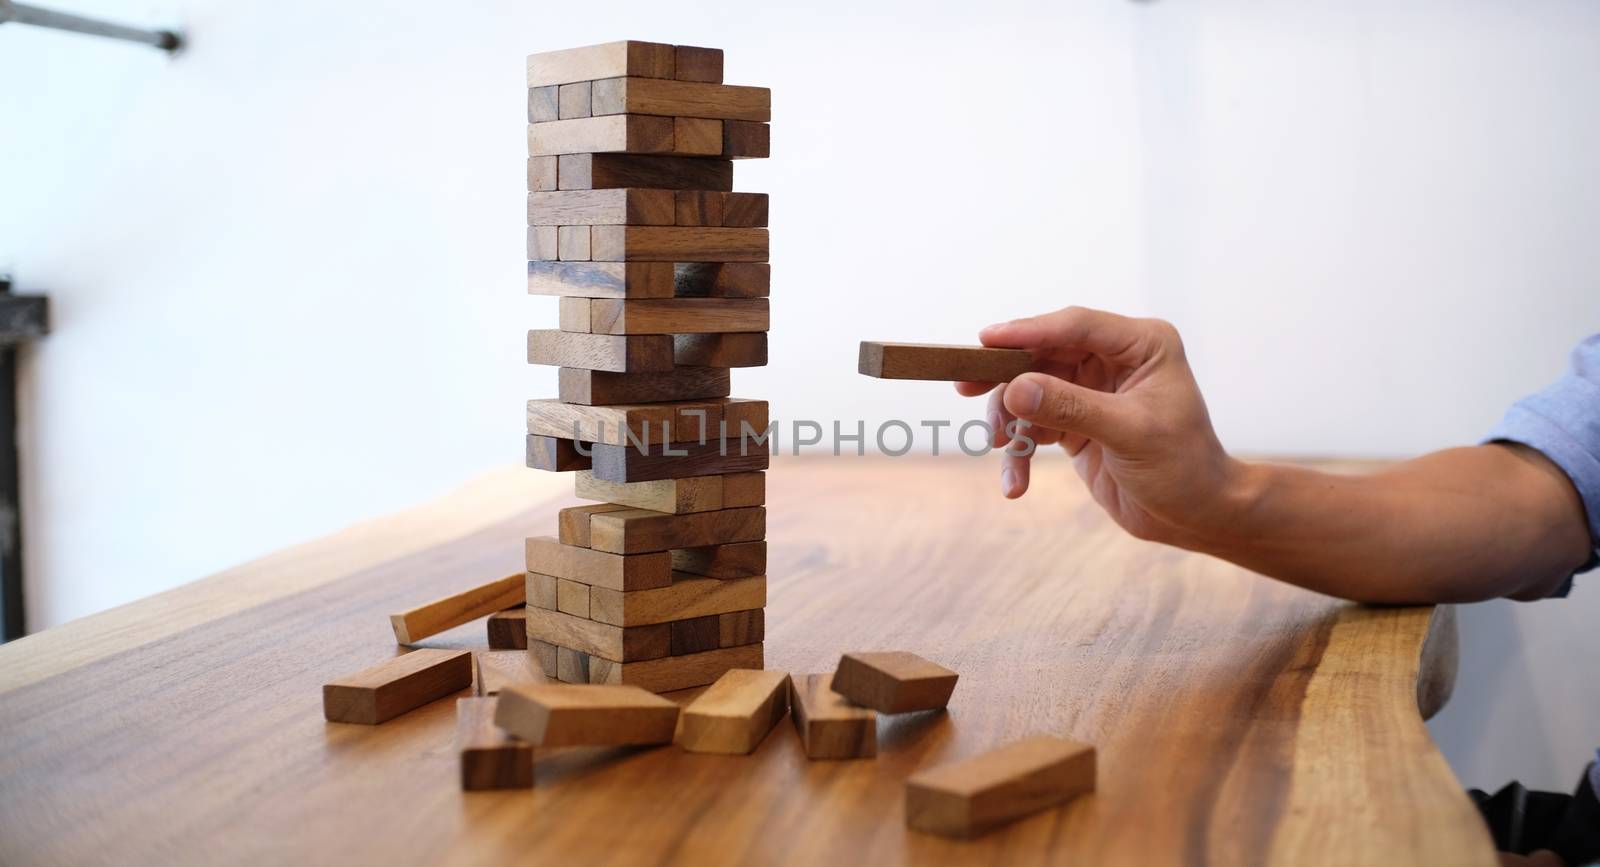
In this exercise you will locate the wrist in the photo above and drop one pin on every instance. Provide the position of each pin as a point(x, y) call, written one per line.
point(1238, 506)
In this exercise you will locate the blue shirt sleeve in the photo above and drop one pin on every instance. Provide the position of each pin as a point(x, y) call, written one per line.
point(1563, 422)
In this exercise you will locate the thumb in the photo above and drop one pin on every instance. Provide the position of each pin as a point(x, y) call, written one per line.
point(1055, 403)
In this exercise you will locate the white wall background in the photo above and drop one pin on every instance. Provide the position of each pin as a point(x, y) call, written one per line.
point(286, 266)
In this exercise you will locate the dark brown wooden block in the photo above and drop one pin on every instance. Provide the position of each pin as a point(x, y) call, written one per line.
point(608, 60)
point(574, 100)
point(743, 489)
point(508, 630)
point(699, 208)
point(696, 634)
point(631, 424)
point(936, 361)
point(696, 136)
point(678, 315)
point(721, 279)
point(636, 531)
point(622, 644)
point(555, 455)
point(617, 133)
point(741, 627)
point(490, 758)
point(678, 244)
point(698, 64)
point(697, 99)
point(893, 681)
point(618, 207)
point(722, 561)
point(598, 568)
point(639, 353)
point(602, 279)
point(967, 798)
point(597, 387)
point(543, 104)
point(542, 173)
point(744, 209)
point(715, 457)
point(746, 349)
point(607, 171)
point(394, 686)
point(743, 140)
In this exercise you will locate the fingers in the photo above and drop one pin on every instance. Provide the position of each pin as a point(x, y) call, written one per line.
point(1014, 475)
point(1118, 338)
point(973, 389)
point(1064, 406)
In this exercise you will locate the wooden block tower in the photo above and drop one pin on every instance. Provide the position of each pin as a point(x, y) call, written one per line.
point(662, 274)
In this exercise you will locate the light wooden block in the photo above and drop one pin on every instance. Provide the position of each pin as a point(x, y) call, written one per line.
point(678, 244)
point(674, 496)
point(696, 136)
point(555, 455)
point(542, 243)
point(741, 489)
point(599, 639)
point(573, 598)
point(490, 758)
point(741, 349)
point(967, 798)
point(677, 315)
point(542, 173)
point(543, 104)
point(599, 388)
point(572, 666)
point(456, 609)
point(620, 207)
point(636, 531)
point(573, 243)
point(940, 362)
point(743, 140)
point(561, 715)
point(698, 207)
point(829, 726)
point(608, 60)
point(394, 686)
point(544, 653)
point(542, 593)
point(633, 464)
point(736, 713)
point(696, 99)
point(497, 668)
point(574, 522)
point(628, 424)
point(893, 681)
point(617, 133)
point(744, 209)
point(576, 315)
point(638, 353)
point(574, 100)
point(602, 279)
point(722, 280)
point(741, 627)
point(698, 64)
point(722, 561)
point(597, 568)
point(607, 171)
point(508, 630)
point(670, 673)
point(688, 596)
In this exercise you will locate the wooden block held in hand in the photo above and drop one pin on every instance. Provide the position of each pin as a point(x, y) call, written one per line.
point(698, 64)
point(632, 464)
point(392, 687)
point(560, 715)
point(508, 630)
point(689, 596)
point(970, 797)
point(637, 531)
point(737, 349)
point(675, 496)
point(624, 207)
point(608, 171)
point(678, 244)
point(735, 714)
point(597, 568)
point(695, 99)
point(617, 133)
point(893, 681)
point(677, 315)
point(722, 561)
point(939, 362)
point(497, 668)
point(490, 758)
point(608, 60)
point(829, 726)
point(454, 610)
point(555, 455)
point(585, 280)
point(638, 353)
point(599, 639)
point(670, 673)
point(599, 388)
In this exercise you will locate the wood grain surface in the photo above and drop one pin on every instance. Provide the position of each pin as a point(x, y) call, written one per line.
point(1236, 720)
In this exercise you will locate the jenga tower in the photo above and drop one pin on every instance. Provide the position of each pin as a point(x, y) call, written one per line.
point(663, 280)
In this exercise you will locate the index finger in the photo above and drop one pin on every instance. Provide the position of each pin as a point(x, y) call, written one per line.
point(1120, 339)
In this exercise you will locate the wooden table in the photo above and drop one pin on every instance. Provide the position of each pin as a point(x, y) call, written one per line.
point(1239, 720)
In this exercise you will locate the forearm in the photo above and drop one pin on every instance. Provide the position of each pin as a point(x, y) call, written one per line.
point(1454, 526)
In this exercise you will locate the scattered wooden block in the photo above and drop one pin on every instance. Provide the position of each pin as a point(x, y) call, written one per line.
point(699, 207)
point(543, 104)
point(722, 561)
point(610, 60)
point(542, 173)
point(741, 489)
point(607, 171)
point(598, 387)
point(744, 349)
point(599, 639)
point(698, 64)
point(695, 635)
point(893, 681)
point(678, 244)
point(574, 522)
point(454, 610)
point(497, 668)
point(619, 207)
point(490, 758)
point(671, 673)
point(688, 596)
point(542, 243)
point(743, 140)
point(560, 715)
point(624, 424)
point(601, 279)
point(970, 797)
point(741, 627)
point(677, 315)
point(934, 361)
point(508, 630)
point(617, 133)
point(632, 464)
point(574, 100)
point(736, 713)
point(721, 280)
point(573, 598)
point(555, 455)
point(637, 353)
point(696, 136)
point(829, 726)
point(696, 99)
point(744, 209)
point(573, 243)
point(675, 496)
point(597, 568)
point(392, 687)
point(575, 315)
point(637, 531)
point(542, 593)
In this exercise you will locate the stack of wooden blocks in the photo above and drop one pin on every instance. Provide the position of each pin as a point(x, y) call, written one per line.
point(662, 274)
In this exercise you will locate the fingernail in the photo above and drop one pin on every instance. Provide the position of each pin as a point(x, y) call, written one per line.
point(1029, 395)
point(1008, 481)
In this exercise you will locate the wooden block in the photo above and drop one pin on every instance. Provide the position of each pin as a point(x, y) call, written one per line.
point(543, 104)
point(490, 758)
point(722, 561)
point(617, 133)
point(893, 681)
point(542, 173)
point(743, 209)
point(576, 315)
point(599, 639)
point(829, 726)
point(609, 60)
point(743, 140)
point(454, 610)
point(572, 666)
point(695, 635)
point(544, 653)
point(573, 598)
point(677, 315)
point(562, 715)
point(934, 361)
point(741, 627)
point(573, 243)
point(722, 279)
point(392, 687)
point(744, 417)
point(619, 207)
point(738, 489)
point(687, 597)
point(676, 672)
point(607, 171)
point(497, 668)
point(541, 589)
point(698, 208)
point(597, 568)
point(602, 280)
point(698, 64)
point(674, 496)
point(678, 244)
point(681, 98)
point(508, 630)
point(599, 388)
point(555, 455)
point(625, 424)
point(696, 136)
point(542, 244)
point(636, 531)
point(574, 100)
point(640, 353)
point(741, 349)
point(574, 525)
point(969, 797)
point(715, 457)
point(736, 713)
